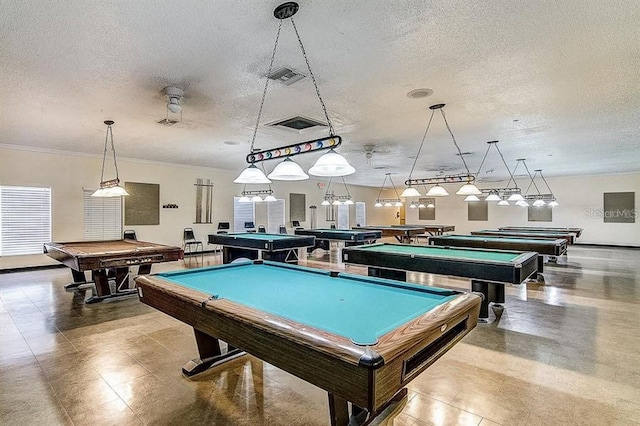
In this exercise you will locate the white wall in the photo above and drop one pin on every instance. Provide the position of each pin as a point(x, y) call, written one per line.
point(67, 174)
point(581, 205)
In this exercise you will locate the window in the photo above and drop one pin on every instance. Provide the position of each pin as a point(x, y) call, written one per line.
point(25, 219)
point(361, 214)
point(102, 217)
point(275, 216)
point(242, 213)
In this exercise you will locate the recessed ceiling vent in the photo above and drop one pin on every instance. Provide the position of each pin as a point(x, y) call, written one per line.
point(297, 123)
point(286, 76)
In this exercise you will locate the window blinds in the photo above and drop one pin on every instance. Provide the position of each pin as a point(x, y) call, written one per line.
point(25, 219)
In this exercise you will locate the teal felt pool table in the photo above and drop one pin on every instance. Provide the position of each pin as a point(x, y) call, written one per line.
point(361, 339)
point(489, 270)
point(257, 245)
point(544, 247)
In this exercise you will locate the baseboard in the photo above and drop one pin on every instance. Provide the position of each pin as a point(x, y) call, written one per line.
point(606, 246)
point(30, 268)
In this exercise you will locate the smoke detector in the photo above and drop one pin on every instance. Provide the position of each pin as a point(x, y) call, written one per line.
point(174, 94)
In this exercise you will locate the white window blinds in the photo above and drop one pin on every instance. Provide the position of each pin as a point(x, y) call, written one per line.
point(275, 216)
point(343, 217)
point(361, 214)
point(102, 217)
point(243, 213)
point(25, 219)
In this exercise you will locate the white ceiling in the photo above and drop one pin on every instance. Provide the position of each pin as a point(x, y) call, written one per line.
point(557, 82)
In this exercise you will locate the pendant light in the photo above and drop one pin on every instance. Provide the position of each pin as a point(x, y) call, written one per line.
point(288, 170)
point(329, 164)
point(109, 188)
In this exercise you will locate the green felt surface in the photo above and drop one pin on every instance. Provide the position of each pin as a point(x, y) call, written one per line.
point(353, 307)
point(489, 238)
point(435, 251)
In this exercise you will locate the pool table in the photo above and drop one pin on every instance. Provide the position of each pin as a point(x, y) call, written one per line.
point(433, 229)
point(350, 237)
point(402, 233)
point(569, 236)
point(109, 261)
point(577, 231)
point(257, 245)
point(544, 247)
point(361, 339)
point(489, 270)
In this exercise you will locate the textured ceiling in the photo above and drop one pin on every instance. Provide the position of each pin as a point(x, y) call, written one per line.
point(557, 82)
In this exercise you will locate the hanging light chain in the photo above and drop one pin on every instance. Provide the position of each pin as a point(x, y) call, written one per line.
point(108, 140)
point(266, 85)
point(545, 182)
point(422, 143)
point(313, 77)
point(505, 164)
point(383, 182)
point(454, 141)
point(346, 187)
point(532, 181)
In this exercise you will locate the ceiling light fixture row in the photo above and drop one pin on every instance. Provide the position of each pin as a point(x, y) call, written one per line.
point(255, 196)
point(430, 204)
point(437, 191)
point(330, 164)
point(388, 202)
point(109, 188)
point(501, 195)
point(332, 199)
point(538, 199)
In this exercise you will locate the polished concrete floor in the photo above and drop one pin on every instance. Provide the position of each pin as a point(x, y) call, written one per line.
point(566, 352)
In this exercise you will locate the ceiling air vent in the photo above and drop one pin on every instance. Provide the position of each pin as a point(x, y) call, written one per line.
point(286, 76)
point(297, 123)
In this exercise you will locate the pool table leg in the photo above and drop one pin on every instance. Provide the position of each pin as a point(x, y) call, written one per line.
point(339, 410)
point(492, 292)
point(78, 279)
point(540, 263)
point(210, 353)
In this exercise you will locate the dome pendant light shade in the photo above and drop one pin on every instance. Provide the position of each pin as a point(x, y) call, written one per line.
point(270, 198)
point(553, 203)
point(472, 198)
point(398, 204)
point(538, 203)
point(503, 203)
point(515, 197)
point(325, 203)
point(256, 199)
point(244, 199)
point(252, 174)
point(410, 191)
point(468, 189)
point(332, 164)
point(348, 203)
point(336, 203)
point(437, 191)
point(288, 170)
point(492, 197)
point(377, 204)
point(388, 204)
